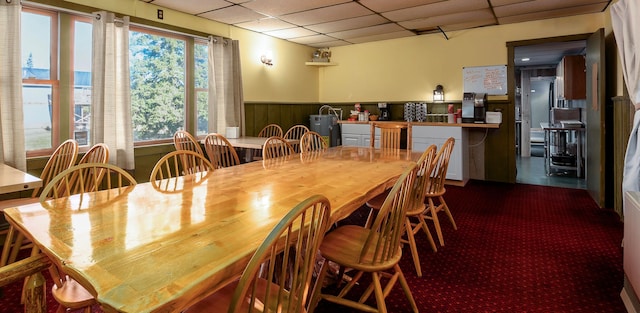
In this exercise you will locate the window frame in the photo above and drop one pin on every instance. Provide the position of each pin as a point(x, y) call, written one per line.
point(189, 56)
point(53, 81)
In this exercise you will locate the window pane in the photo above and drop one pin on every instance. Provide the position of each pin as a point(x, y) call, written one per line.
point(37, 116)
point(203, 121)
point(36, 46)
point(201, 66)
point(202, 85)
point(82, 82)
point(157, 67)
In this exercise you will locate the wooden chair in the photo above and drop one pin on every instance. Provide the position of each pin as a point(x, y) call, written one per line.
point(414, 221)
point(295, 133)
point(220, 152)
point(177, 164)
point(82, 179)
point(435, 189)
point(99, 153)
point(183, 140)
point(271, 130)
point(312, 141)
point(376, 250)
point(276, 281)
point(276, 147)
point(62, 158)
point(390, 135)
point(87, 178)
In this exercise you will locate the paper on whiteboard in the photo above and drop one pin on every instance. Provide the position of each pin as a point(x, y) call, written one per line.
point(491, 80)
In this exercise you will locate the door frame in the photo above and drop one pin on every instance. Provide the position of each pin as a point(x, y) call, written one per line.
point(511, 85)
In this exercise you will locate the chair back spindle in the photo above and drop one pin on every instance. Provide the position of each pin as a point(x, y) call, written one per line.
point(276, 147)
point(183, 140)
point(220, 152)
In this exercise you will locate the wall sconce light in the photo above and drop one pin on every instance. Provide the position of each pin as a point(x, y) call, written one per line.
point(267, 58)
point(438, 94)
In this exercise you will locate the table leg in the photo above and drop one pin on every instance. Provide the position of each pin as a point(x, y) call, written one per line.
point(35, 296)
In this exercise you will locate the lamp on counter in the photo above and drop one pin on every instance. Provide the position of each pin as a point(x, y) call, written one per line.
point(438, 94)
point(267, 58)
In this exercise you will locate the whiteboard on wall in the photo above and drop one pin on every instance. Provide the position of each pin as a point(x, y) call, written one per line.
point(491, 80)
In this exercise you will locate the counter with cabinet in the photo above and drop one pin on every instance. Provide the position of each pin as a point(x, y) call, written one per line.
point(356, 133)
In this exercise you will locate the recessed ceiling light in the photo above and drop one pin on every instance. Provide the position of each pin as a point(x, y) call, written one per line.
point(525, 59)
point(533, 90)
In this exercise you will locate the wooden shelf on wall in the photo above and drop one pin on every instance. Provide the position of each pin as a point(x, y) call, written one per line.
point(320, 63)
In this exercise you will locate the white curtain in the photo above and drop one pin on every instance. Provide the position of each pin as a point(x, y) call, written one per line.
point(110, 95)
point(12, 150)
point(226, 104)
point(626, 28)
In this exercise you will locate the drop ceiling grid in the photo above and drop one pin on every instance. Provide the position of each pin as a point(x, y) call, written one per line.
point(340, 22)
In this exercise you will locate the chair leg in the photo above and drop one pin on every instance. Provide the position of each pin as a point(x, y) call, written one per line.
point(436, 222)
point(412, 245)
point(426, 230)
point(448, 212)
point(405, 287)
point(6, 248)
point(370, 218)
point(317, 287)
point(382, 306)
point(15, 248)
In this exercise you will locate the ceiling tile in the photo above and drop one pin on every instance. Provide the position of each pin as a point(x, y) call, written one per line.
point(266, 25)
point(543, 5)
point(233, 15)
point(467, 25)
point(281, 7)
point(334, 43)
point(450, 19)
point(386, 36)
point(327, 14)
point(291, 33)
point(496, 3)
point(367, 31)
point(192, 6)
point(387, 5)
point(312, 39)
point(436, 9)
point(549, 14)
point(353, 23)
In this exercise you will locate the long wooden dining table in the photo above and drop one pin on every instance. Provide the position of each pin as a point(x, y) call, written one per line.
point(151, 250)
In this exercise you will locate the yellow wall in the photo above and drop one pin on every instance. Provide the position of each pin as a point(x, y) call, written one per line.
point(410, 68)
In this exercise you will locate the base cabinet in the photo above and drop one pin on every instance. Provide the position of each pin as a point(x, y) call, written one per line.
point(424, 136)
point(356, 135)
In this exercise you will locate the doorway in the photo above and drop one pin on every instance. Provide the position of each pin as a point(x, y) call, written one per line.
point(535, 98)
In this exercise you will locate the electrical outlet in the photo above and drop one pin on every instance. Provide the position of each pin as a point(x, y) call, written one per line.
point(160, 14)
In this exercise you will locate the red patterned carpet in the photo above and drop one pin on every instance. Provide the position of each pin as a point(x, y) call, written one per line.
point(518, 248)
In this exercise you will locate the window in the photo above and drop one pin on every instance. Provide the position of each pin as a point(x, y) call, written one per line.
point(201, 67)
point(39, 79)
point(158, 91)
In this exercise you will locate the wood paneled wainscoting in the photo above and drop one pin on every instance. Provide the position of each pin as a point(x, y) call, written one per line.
point(623, 112)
